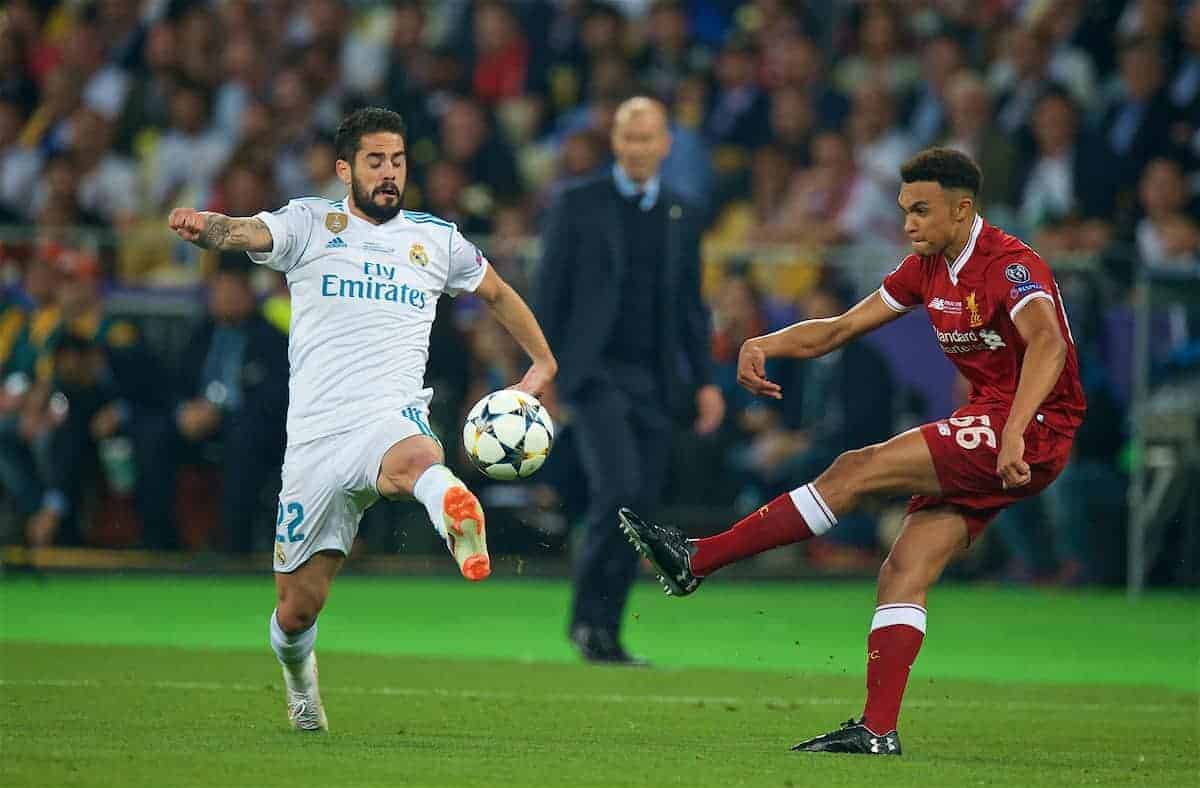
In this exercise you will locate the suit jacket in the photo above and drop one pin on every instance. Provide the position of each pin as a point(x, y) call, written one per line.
point(578, 290)
point(264, 373)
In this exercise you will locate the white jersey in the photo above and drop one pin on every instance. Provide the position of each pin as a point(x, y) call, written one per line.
point(363, 301)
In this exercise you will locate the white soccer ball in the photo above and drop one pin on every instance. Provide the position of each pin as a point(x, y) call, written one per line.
point(508, 434)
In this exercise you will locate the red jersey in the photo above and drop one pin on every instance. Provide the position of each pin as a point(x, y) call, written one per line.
point(971, 303)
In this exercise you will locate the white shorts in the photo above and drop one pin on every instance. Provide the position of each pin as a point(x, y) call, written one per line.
point(329, 482)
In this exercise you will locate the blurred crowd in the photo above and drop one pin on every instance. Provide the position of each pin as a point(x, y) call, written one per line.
point(789, 122)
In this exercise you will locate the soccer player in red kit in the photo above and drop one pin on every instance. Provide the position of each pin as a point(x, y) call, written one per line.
point(998, 315)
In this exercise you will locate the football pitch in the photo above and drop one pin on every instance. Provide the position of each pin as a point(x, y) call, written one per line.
point(169, 681)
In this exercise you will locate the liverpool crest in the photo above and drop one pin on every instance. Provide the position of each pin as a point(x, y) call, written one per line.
point(973, 311)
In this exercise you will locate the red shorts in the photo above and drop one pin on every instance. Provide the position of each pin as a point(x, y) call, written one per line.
point(965, 447)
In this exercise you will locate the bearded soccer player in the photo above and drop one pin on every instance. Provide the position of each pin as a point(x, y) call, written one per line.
point(998, 315)
point(365, 278)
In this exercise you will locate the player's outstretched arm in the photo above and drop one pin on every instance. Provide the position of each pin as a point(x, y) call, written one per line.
point(808, 339)
point(517, 318)
point(210, 230)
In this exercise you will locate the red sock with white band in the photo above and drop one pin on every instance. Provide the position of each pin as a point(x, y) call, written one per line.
point(897, 632)
point(792, 517)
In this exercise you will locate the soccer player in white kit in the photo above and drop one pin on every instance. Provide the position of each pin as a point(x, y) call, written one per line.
point(365, 278)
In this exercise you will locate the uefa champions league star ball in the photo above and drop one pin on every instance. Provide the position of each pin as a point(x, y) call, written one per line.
point(508, 434)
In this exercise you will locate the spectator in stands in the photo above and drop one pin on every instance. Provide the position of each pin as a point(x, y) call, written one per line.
point(147, 107)
point(468, 140)
point(1133, 129)
point(925, 110)
point(25, 326)
point(107, 181)
point(15, 82)
point(232, 398)
point(1069, 64)
point(409, 85)
point(191, 152)
point(793, 60)
point(87, 410)
point(96, 383)
point(244, 187)
point(56, 199)
point(880, 145)
point(792, 124)
point(1167, 238)
point(289, 129)
point(969, 112)
point(1183, 89)
point(1018, 78)
point(1051, 188)
point(447, 196)
point(19, 164)
point(60, 96)
point(831, 202)
point(244, 75)
point(669, 55)
point(738, 116)
point(321, 163)
point(881, 54)
point(502, 57)
point(85, 50)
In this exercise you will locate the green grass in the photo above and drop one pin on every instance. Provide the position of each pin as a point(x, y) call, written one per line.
point(169, 682)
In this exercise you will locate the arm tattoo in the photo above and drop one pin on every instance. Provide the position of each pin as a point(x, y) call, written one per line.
point(216, 232)
point(234, 235)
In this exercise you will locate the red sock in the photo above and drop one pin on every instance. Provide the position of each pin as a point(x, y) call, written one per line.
point(792, 517)
point(897, 632)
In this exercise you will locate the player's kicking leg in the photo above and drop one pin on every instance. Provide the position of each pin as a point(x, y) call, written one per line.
point(928, 541)
point(414, 467)
point(301, 596)
point(901, 465)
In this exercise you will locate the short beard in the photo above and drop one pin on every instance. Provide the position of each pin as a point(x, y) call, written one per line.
point(366, 204)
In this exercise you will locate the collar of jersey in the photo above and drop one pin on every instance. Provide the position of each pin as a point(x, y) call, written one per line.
point(959, 262)
point(629, 188)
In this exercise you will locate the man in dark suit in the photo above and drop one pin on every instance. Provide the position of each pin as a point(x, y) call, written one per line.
point(232, 399)
point(619, 300)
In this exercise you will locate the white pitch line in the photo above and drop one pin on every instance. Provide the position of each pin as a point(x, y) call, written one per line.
point(574, 698)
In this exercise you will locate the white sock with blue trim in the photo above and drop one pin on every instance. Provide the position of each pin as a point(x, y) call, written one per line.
point(294, 652)
point(429, 489)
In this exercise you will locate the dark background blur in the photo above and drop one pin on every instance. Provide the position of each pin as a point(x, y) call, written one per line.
point(120, 429)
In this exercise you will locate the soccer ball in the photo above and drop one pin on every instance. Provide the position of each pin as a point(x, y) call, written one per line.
point(508, 434)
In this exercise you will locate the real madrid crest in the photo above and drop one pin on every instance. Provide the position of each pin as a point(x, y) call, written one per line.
point(416, 254)
point(336, 222)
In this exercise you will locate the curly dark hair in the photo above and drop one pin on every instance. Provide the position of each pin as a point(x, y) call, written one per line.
point(949, 168)
point(366, 120)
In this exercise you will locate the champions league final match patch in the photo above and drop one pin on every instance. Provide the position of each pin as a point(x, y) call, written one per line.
point(1016, 273)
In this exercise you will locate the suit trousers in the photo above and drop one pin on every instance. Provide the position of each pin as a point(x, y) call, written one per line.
point(624, 436)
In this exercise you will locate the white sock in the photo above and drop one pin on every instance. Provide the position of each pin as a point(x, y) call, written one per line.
point(812, 507)
point(294, 653)
point(429, 489)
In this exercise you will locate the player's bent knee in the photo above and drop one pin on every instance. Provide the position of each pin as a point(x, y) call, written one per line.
point(298, 608)
point(852, 467)
point(404, 463)
point(295, 618)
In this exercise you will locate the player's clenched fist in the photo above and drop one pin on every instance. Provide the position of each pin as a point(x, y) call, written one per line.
point(187, 223)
